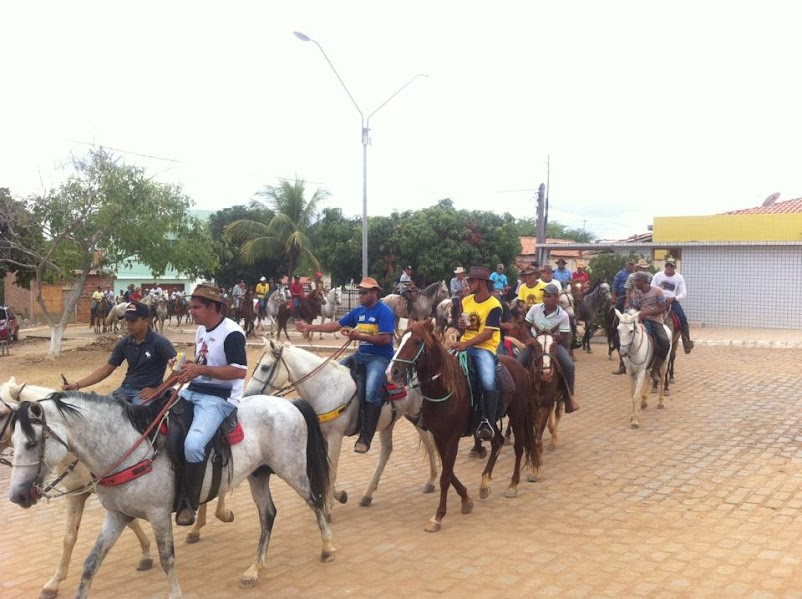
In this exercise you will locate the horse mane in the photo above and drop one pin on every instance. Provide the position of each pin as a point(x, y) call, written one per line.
point(430, 290)
point(65, 409)
point(443, 362)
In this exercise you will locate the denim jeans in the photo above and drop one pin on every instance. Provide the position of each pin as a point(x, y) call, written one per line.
point(210, 411)
point(658, 333)
point(677, 309)
point(128, 393)
point(485, 362)
point(375, 378)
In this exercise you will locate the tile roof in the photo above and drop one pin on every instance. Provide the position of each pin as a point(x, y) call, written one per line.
point(786, 207)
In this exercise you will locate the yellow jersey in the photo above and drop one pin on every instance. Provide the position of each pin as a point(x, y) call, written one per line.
point(483, 315)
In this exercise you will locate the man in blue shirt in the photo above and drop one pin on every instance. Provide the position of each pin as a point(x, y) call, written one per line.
point(618, 290)
point(562, 274)
point(372, 323)
point(499, 279)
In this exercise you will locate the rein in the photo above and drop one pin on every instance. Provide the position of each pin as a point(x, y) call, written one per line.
point(413, 364)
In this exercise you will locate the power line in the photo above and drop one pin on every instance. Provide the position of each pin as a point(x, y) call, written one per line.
point(86, 143)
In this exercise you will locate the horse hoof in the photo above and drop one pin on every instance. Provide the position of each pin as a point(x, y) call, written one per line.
point(511, 492)
point(533, 478)
point(433, 526)
point(634, 425)
point(327, 556)
point(643, 405)
point(328, 517)
point(246, 582)
point(671, 379)
point(666, 392)
point(193, 537)
point(660, 406)
point(48, 594)
point(654, 389)
point(484, 493)
point(228, 516)
point(467, 506)
point(428, 488)
point(144, 564)
point(366, 501)
point(342, 497)
point(481, 453)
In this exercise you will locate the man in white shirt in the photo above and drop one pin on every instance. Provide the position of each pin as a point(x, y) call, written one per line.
point(673, 285)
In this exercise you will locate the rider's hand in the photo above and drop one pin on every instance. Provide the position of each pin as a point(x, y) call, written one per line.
point(70, 387)
point(459, 346)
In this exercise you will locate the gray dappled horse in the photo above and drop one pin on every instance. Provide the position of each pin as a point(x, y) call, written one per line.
point(280, 437)
point(423, 307)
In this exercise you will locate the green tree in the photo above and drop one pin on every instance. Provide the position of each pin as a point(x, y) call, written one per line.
point(605, 266)
point(527, 227)
point(338, 242)
point(288, 232)
point(104, 215)
point(232, 267)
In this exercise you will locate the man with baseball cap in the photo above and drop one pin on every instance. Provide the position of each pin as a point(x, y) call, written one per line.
point(146, 352)
point(372, 323)
point(548, 317)
point(216, 381)
point(673, 285)
point(481, 336)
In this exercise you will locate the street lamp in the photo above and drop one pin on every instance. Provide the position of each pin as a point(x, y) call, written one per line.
point(365, 142)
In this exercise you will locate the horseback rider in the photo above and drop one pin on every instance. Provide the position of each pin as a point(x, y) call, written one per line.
point(640, 266)
point(531, 290)
point(372, 323)
point(580, 274)
point(481, 335)
point(618, 290)
point(459, 289)
point(97, 297)
point(545, 317)
point(499, 279)
point(237, 293)
point(673, 285)
point(146, 352)
point(651, 305)
point(297, 294)
point(262, 293)
point(406, 288)
point(215, 386)
point(562, 274)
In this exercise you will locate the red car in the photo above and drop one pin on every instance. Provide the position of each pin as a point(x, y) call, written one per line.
point(9, 325)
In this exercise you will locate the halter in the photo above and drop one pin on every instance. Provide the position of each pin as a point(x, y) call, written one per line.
point(644, 335)
point(413, 364)
point(281, 392)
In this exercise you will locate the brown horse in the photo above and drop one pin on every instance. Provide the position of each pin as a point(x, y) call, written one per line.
point(244, 311)
point(308, 311)
point(548, 384)
point(448, 413)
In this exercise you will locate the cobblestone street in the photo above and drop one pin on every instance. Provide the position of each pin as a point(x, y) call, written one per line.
point(702, 501)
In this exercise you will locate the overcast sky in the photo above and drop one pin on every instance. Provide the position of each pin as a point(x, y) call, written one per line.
point(645, 109)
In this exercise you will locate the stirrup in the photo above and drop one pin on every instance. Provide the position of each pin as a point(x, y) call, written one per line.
point(484, 432)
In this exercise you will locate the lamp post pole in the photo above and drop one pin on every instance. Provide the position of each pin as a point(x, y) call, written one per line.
point(365, 142)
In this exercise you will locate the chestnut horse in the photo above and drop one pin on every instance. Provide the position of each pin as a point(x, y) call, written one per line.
point(309, 310)
point(548, 384)
point(448, 413)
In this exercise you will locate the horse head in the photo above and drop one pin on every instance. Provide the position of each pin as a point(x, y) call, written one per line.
point(29, 440)
point(268, 376)
point(413, 345)
point(627, 327)
point(604, 289)
point(544, 356)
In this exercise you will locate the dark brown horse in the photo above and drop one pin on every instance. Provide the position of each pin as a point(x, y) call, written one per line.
point(244, 312)
point(548, 384)
point(308, 311)
point(448, 413)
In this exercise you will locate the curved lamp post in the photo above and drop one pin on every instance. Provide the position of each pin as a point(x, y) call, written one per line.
point(365, 142)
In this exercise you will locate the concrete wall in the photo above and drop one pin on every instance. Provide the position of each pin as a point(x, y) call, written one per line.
point(728, 227)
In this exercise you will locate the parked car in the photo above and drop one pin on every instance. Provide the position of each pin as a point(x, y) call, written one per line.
point(9, 325)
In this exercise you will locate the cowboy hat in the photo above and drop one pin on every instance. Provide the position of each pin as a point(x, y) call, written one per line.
point(209, 292)
point(459, 270)
point(529, 270)
point(479, 273)
point(369, 283)
point(643, 263)
point(561, 261)
point(580, 264)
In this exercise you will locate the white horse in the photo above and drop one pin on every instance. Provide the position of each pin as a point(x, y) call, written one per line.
point(423, 306)
point(75, 486)
point(328, 311)
point(273, 303)
point(329, 388)
point(115, 314)
point(637, 351)
point(279, 437)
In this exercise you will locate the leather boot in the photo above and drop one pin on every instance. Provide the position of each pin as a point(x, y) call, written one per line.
point(687, 344)
point(571, 404)
point(372, 413)
point(193, 481)
point(489, 405)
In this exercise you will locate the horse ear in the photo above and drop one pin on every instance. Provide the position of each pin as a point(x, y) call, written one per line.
point(618, 314)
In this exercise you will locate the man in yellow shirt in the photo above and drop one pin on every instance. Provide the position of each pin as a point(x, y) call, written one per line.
point(481, 335)
point(531, 291)
point(262, 293)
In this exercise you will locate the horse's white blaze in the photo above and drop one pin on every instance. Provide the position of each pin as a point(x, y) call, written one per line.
point(545, 342)
point(389, 372)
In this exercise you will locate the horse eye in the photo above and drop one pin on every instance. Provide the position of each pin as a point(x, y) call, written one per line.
point(30, 445)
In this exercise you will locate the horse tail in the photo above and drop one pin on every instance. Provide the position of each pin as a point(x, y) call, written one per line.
point(317, 456)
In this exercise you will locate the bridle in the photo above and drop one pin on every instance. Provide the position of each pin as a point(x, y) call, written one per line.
point(413, 366)
point(624, 347)
point(271, 375)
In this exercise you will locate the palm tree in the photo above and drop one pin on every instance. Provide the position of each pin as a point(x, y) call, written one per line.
point(287, 232)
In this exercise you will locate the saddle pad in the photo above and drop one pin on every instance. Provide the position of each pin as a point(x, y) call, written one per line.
point(505, 380)
point(395, 392)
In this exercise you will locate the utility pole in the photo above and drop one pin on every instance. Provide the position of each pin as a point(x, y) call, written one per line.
point(541, 224)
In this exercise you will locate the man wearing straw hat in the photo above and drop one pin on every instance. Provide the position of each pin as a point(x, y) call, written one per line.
point(372, 323)
point(459, 289)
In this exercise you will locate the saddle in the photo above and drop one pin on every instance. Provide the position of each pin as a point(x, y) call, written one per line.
point(218, 449)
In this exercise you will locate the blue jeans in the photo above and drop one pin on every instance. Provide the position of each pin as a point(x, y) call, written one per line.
point(658, 332)
point(677, 309)
point(375, 378)
point(129, 393)
point(210, 411)
point(485, 362)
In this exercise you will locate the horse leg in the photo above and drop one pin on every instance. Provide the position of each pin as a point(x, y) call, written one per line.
point(553, 422)
point(75, 510)
point(487, 473)
point(635, 385)
point(431, 454)
point(335, 443)
point(477, 451)
point(386, 438)
point(193, 536)
point(163, 529)
point(260, 491)
point(113, 526)
point(145, 560)
point(512, 490)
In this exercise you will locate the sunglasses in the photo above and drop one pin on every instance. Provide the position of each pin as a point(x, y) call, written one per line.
point(364, 291)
